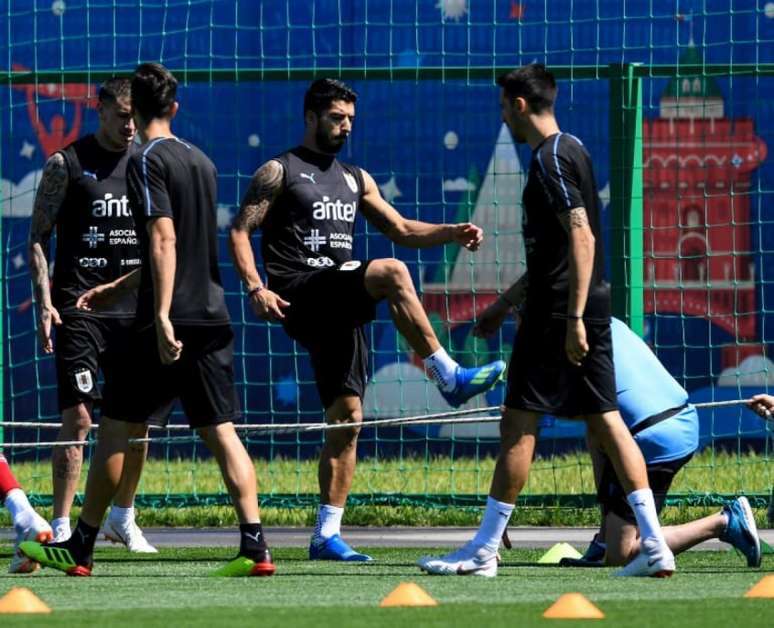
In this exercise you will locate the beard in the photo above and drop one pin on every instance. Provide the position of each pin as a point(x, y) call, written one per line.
point(329, 144)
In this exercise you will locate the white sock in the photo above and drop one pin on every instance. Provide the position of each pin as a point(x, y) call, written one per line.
point(644, 508)
point(328, 522)
point(19, 506)
point(61, 527)
point(442, 369)
point(496, 518)
point(121, 515)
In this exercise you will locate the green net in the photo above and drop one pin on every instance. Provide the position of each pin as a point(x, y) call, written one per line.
point(673, 103)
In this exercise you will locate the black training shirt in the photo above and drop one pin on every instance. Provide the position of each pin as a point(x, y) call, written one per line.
point(311, 224)
point(95, 236)
point(560, 178)
point(172, 178)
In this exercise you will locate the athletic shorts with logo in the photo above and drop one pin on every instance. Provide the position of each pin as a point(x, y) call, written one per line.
point(612, 496)
point(85, 345)
point(542, 379)
point(327, 314)
point(202, 379)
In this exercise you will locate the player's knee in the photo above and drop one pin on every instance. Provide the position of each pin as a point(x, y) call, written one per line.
point(393, 274)
point(77, 420)
point(346, 436)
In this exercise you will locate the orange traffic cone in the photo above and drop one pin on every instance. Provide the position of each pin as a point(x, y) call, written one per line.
point(573, 606)
point(764, 588)
point(21, 600)
point(408, 594)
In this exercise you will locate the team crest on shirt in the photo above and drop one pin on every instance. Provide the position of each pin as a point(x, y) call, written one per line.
point(83, 380)
point(351, 182)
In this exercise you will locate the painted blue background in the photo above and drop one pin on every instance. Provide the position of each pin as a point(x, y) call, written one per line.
point(399, 133)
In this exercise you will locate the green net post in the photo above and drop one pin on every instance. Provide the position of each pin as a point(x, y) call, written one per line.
point(626, 194)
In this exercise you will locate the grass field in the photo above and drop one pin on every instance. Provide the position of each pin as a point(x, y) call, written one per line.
point(173, 590)
point(570, 474)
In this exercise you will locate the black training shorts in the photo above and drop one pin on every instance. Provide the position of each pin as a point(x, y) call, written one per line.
point(202, 379)
point(542, 379)
point(327, 314)
point(612, 496)
point(83, 346)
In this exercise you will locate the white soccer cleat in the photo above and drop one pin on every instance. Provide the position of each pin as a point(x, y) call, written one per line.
point(469, 560)
point(129, 534)
point(37, 530)
point(655, 560)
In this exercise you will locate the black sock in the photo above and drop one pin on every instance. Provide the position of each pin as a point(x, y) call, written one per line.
point(81, 543)
point(251, 541)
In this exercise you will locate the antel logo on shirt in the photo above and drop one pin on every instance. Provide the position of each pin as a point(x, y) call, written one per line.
point(326, 209)
point(110, 207)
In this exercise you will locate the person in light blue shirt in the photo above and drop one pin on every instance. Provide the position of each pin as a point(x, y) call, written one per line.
point(665, 425)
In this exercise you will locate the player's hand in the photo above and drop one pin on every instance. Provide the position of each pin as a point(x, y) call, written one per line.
point(575, 344)
point(48, 316)
point(762, 405)
point(468, 235)
point(98, 298)
point(268, 305)
point(169, 347)
point(491, 319)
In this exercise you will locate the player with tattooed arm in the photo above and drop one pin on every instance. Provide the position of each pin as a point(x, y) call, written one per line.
point(305, 201)
point(562, 362)
point(82, 196)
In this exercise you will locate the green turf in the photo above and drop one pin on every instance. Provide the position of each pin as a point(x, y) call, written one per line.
point(570, 474)
point(172, 589)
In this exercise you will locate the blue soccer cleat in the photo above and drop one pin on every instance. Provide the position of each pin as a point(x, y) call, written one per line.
point(473, 381)
point(336, 548)
point(741, 531)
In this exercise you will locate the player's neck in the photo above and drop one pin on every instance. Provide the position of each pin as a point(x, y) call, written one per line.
point(157, 128)
point(541, 128)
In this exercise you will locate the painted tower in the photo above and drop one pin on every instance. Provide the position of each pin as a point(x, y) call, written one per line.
point(698, 241)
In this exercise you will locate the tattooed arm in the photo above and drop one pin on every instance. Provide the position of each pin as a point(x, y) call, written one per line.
point(48, 201)
point(581, 265)
point(264, 189)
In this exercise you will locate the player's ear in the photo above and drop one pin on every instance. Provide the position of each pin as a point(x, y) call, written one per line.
point(520, 105)
point(310, 118)
point(173, 109)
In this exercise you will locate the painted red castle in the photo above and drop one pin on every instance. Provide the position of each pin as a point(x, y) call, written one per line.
point(697, 226)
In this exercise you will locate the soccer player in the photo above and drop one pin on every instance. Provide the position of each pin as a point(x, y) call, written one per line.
point(562, 361)
point(82, 194)
point(28, 525)
point(184, 345)
point(305, 201)
point(665, 426)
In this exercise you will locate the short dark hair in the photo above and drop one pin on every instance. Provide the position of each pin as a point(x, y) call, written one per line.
point(324, 91)
point(533, 83)
point(114, 88)
point(154, 89)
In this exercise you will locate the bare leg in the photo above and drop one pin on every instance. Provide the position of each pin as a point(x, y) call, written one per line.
point(518, 436)
point(66, 461)
point(134, 461)
point(613, 436)
point(390, 279)
point(624, 542)
point(236, 467)
point(339, 453)
point(106, 467)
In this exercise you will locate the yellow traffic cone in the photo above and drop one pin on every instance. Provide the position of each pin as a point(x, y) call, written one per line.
point(22, 600)
point(408, 594)
point(573, 606)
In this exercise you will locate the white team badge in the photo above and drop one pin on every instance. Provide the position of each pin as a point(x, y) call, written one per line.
point(83, 380)
point(351, 182)
point(351, 265)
